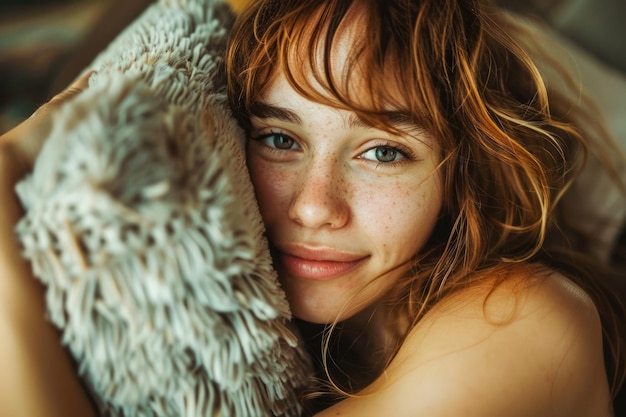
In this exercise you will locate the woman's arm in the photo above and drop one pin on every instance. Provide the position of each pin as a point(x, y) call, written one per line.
point(529, 350)
point(38, 377)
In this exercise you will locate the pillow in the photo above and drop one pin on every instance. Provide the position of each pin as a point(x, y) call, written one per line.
point(141, 221)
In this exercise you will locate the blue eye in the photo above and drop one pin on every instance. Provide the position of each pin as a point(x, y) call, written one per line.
point(383, 154)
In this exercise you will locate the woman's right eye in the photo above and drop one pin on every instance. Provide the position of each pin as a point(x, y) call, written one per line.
point(278, 141)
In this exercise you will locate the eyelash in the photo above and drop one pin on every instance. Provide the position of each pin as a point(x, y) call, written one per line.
point(270, 134)
point(407, 154)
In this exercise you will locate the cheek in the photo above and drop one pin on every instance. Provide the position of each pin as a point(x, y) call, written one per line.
point(384, 205)
point(270, 186)
point(399, 217)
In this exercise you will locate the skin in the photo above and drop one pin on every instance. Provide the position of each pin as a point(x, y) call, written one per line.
point(533, 349)
point(346, 205)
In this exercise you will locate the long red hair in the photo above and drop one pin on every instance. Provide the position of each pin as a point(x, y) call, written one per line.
point(509, 148)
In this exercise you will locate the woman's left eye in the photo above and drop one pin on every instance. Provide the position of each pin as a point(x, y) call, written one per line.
point(383, 154)
point(278, 141)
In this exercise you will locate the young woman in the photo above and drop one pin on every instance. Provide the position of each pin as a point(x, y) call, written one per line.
point(408, 163)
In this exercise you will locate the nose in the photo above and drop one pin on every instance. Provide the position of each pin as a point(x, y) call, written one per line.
point(321, 199)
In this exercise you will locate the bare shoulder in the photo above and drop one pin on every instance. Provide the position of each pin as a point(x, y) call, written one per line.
point(531, 345)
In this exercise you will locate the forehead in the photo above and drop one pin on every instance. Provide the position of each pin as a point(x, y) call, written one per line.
point(331, 60)
point(282, 102)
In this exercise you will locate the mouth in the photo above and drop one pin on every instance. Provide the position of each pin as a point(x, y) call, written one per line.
point(316, 263)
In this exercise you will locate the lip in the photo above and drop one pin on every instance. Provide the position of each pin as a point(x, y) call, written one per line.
point(316, 263)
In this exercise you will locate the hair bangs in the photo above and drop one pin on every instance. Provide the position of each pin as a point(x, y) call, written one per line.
point(303, 43)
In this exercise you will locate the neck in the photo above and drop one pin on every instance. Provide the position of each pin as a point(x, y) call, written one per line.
point(351, 354)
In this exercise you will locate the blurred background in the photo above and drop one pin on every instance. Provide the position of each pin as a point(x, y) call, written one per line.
point(44, 44)
point(595, 25)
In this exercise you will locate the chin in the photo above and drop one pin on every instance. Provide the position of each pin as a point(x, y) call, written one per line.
point(326, 302)
point(316, 317)
point(322, 314)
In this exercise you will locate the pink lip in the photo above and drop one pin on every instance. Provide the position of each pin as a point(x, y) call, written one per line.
point(316, 263)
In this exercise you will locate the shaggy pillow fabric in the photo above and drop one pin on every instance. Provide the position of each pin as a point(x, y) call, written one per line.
point(141, 221)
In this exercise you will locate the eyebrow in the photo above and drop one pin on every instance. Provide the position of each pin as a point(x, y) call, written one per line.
point(394, 118)
point(264, 110)
point(267, 111)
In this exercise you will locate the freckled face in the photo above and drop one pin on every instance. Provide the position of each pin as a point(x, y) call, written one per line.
point(346, 206)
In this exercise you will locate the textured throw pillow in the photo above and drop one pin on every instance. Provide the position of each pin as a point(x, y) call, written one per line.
point(141, 221)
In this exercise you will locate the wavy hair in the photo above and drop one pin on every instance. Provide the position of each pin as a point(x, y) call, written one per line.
point(508, 147)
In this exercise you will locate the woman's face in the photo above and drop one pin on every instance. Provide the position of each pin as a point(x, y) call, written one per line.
point(346, 205)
